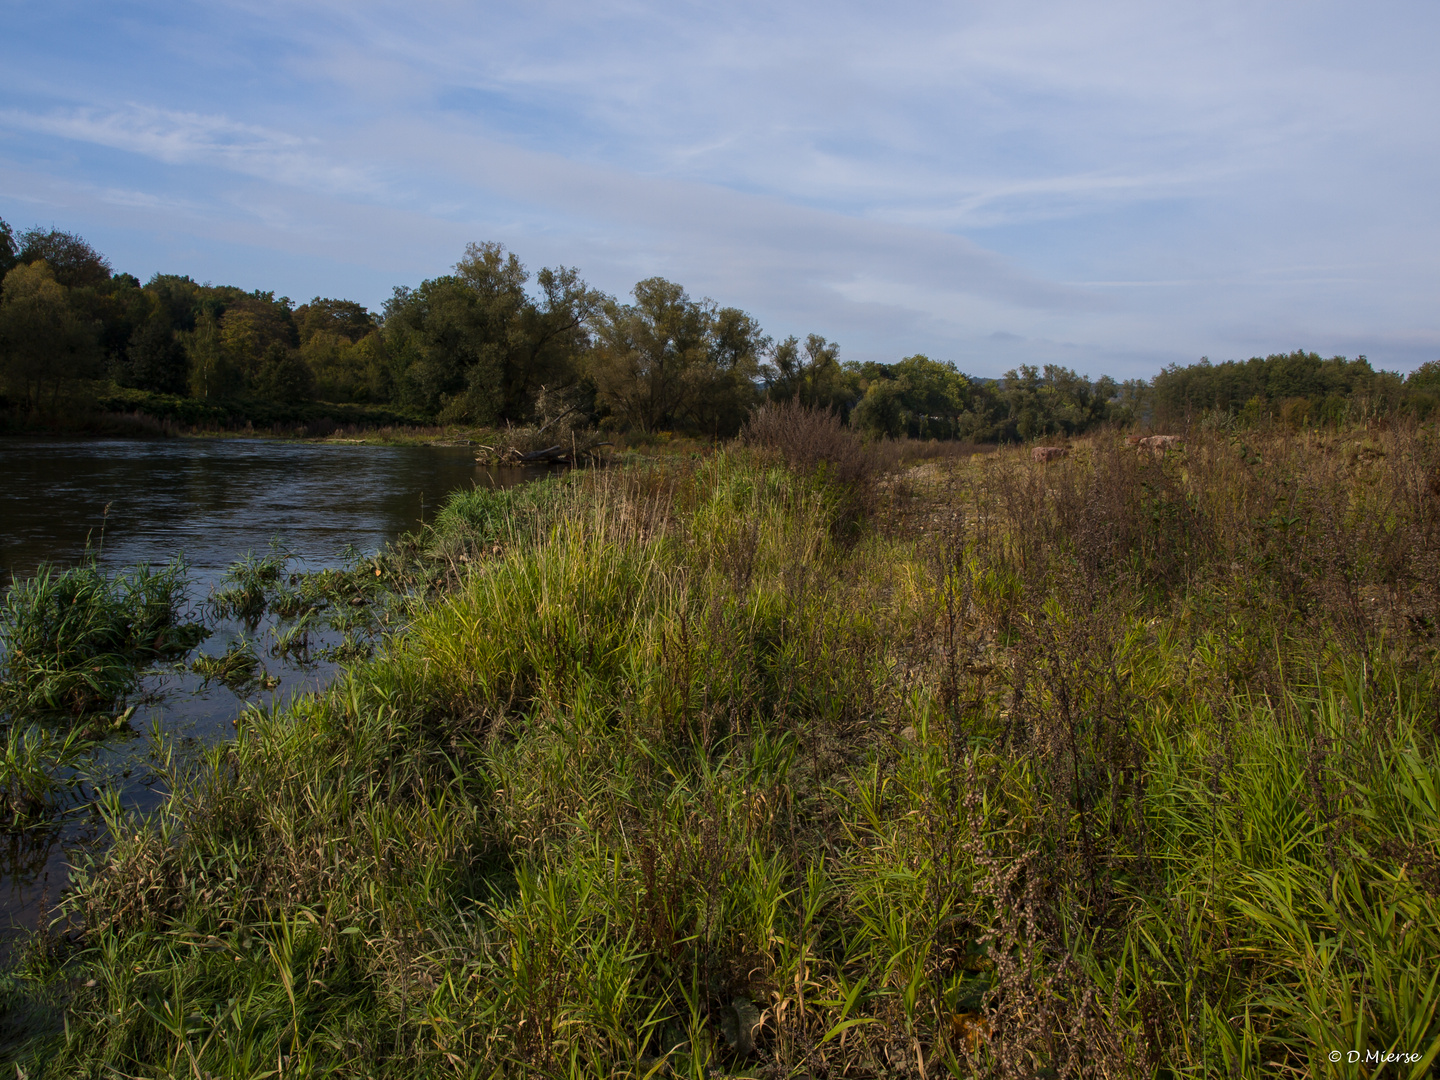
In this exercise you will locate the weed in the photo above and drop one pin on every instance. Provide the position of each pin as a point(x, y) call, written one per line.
point(238, 667)
point(293, 642)
point(242, 594)
point(32, 760)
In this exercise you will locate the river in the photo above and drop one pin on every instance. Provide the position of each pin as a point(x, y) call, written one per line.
point(210, 501)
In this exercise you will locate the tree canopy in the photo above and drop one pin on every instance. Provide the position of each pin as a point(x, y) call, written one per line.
point(45, 342)
point(9, 251)
point(73, 261)
point(668, 361)
point(1298, 386)
point(491, 344)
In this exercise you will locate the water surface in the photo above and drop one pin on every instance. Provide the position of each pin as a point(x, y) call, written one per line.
point(215, 498)
point(209, 500)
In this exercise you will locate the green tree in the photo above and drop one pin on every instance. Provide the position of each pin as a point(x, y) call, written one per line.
point(475, 346)
point(937, 396)
point(9, 251)
point(1053, 400)
point(146, 328)
point(446, 349)
point(1300, 385)
point(177, 297)
point(348, 371)
point(155, 357)
point(283, 375)
point(73, 261)
point(212, 375)
point(45, 345)
point(249, 327)
point(916, 396)
point(812, 374)
point(882, 412)
point(653, 359)
point(549, 343)
point(1421, 393)
point(728, 391)
point(344, 318)
point(121, 307)
point(1426, 376)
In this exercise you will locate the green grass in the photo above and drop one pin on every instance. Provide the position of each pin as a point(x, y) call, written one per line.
point(238, 667)
point(1119, 766)
point(73, 640)
point(244, 587)
point(34, 764)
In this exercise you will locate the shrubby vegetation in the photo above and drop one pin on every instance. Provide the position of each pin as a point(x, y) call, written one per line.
point(785, 761)
point(490, 345)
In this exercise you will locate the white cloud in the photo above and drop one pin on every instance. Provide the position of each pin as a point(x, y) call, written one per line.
point(1118, 181)
point(189, 138)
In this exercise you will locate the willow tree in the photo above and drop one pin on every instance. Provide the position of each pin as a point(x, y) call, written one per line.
point(667, 361)
point(476, 346)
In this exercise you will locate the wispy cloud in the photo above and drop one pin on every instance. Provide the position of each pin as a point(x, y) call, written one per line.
point(190, 138)
point(1124, 182)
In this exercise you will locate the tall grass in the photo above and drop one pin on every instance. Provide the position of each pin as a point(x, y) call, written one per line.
point(33, 771)
point(72, 638)
point(71, 644)
point(1116, 766)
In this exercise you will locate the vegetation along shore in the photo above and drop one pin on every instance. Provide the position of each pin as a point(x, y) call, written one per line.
point(489, 352)
point(839, 745)
point(802, 759)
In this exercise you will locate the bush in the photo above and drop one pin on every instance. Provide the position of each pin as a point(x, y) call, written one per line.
point(809, 439)
point(815, 443)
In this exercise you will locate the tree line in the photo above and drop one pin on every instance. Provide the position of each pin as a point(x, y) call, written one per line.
point(1297, 388)
point(490, 344)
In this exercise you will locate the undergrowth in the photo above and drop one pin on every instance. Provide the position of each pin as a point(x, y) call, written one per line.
point(1116, 766)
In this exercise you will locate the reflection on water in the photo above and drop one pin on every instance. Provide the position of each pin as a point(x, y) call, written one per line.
point(215, 498)
point(211, 501)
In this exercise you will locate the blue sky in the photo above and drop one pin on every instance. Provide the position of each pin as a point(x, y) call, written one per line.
point(1110, 186)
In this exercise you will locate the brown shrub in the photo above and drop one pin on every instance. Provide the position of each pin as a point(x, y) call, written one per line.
point(808, 439)
point(815, 442)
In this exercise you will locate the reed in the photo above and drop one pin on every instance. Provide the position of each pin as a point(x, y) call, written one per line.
point(34, 777)
point(244, 586)
point(238, 667)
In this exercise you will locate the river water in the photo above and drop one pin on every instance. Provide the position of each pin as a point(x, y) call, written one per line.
point(211, 501)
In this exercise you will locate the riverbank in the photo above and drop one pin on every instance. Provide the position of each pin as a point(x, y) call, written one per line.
point(109, 412)
point(116, 412)
point(1116, 765)
point(133, 506)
